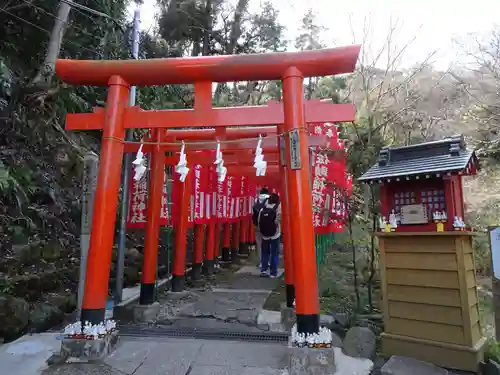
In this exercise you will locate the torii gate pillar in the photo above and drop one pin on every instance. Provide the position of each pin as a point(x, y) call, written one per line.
point(300, 204)
point(106, 202)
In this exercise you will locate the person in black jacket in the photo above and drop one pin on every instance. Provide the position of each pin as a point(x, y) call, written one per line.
point(269, 221)
point(258, 205)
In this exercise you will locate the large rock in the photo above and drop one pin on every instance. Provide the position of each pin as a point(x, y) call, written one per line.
point(398, 365)
point(359, 342)
point(51, 280)
point(28, 286)
point(65, 302)
point(131, 276)
point(133, 254)
point(14, 316)
point(51, 251)
point(341, 319)
point(45, 316)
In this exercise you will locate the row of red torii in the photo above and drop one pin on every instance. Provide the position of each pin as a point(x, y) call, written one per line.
point(229, 202)
point(282, 126)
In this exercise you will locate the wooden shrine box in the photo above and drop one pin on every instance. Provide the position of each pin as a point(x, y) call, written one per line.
point(429, 292)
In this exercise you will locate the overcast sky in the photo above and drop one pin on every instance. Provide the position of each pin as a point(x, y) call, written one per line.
point(434, 23)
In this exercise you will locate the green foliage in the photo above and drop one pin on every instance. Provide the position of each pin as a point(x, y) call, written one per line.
point(492, 350)
point(213, 27)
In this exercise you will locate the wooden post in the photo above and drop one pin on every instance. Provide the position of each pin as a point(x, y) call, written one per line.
point(300, 204)
point(106, 203)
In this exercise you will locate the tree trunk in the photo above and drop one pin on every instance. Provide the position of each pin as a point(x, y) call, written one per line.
point(208, 28)
point(234, 35)
point(236, 27)
point(46, 71)
point(354, 263)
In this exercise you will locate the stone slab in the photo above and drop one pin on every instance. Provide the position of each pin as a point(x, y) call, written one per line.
point(270, 321)
point(242, 307)
point(288, 317)
point(352, 366)
point(311, 361)
point(28, 354)
point(146, 313)
point(226, 290)
point(251, 282)
point(252, 270)
point(240, 354)
point(398, 365)
point(88, 350)
point(98, 368)
point(172, 357)
point(223, 370)
point(130, 355)
point(200, 323)
point(269, 317)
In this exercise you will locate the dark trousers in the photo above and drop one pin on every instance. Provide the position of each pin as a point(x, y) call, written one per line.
point(270, 252)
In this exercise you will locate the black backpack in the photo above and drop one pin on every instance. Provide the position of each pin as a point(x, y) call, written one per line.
point(256, 210)
point(267, 222)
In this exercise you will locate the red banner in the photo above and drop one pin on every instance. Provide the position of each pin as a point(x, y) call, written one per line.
point(231, 200)
point(252, 195)
point(234, 193)
point(326, 129)
point(137, 212)
point(337, 172)
point(242, 207)
point(202, 194)
point(213, 192)
point(320, 174)
point(222, 201)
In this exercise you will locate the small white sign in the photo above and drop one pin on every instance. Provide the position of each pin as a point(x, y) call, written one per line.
point(495, 250)
point(295, 161)
point(89, 185)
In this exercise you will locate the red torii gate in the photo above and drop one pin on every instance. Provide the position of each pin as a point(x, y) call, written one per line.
point(323, 111)
point(291, 68)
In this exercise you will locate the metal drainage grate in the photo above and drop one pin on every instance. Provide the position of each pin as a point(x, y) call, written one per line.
point(207, 334)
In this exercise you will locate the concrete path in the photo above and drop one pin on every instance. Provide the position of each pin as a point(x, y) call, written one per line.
point(233, 301)
point(28, 354)
point(183, 357)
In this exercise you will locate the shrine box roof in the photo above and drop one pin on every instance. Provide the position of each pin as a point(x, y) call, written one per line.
point(449, 155)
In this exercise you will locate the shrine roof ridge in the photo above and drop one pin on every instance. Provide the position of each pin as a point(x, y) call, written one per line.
point(436, 157)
